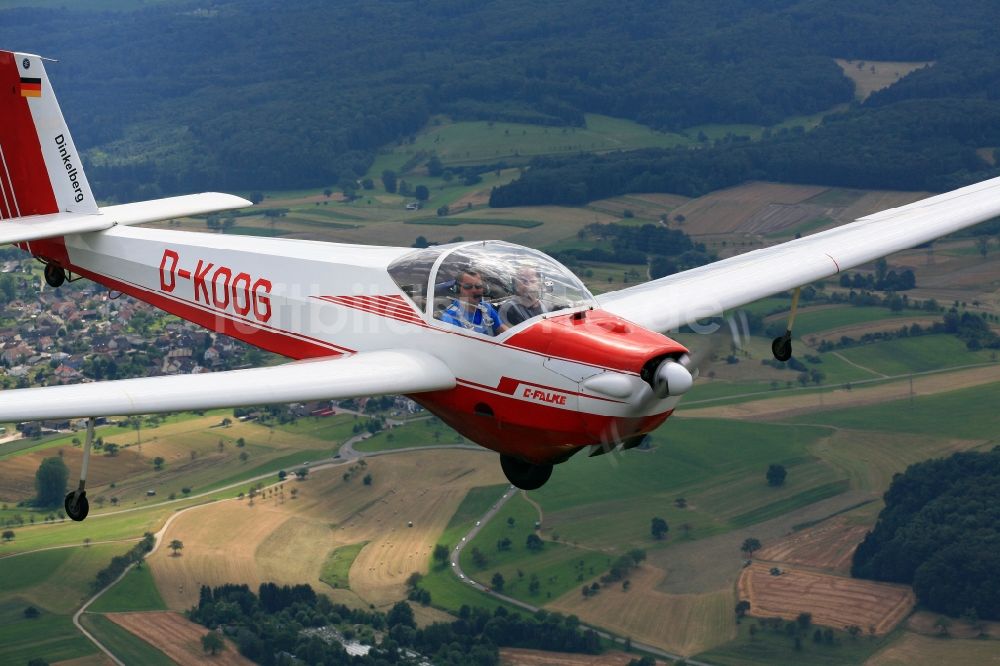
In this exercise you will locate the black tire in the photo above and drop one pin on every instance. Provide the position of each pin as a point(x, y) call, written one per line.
point(782, 348)
point(525, 475)
point(80, 510)
point(54, 275)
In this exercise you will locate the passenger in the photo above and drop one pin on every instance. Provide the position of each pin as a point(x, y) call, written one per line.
point(526, 302)
point(469, 310)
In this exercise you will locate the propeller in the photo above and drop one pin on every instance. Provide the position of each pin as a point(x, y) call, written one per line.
point(672, 377)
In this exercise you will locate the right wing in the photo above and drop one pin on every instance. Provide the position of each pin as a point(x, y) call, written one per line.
point(683, 298)
point(362, 374)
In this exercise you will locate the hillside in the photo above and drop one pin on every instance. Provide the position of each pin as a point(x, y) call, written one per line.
point(197, 103)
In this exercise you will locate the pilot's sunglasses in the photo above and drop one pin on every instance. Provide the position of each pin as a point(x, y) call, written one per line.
point(472, 286)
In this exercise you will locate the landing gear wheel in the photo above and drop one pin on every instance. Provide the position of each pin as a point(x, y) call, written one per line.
point(782, 347)
point(525, 475)
point(54, 275)
point(78, 510)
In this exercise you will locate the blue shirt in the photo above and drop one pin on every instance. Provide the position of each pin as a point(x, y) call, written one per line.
point(484, 319)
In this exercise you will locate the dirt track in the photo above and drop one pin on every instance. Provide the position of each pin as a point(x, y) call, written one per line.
point(177, 637)
point(520, 657)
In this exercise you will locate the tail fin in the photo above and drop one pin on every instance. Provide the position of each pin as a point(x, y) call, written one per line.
point(40, 169)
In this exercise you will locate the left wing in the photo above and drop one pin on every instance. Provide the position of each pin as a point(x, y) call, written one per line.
point(362, 374)
point(673, 301)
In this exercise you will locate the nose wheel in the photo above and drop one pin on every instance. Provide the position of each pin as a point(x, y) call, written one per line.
point(525, 475)
point(54, 275)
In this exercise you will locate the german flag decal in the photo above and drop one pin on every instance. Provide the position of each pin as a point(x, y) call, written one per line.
point(31, 87)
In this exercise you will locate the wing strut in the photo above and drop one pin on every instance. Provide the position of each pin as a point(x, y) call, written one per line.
point(781, 346)
point(76, 504)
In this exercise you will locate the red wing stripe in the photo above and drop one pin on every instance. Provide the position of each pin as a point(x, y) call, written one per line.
point(385, 306)
point(508, 386)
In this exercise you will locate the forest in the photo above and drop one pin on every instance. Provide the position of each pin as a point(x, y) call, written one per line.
point(176, 97)
point(940, 532)
point(281, 621)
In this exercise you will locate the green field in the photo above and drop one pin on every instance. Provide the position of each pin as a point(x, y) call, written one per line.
point(338, 565)
point(557, 566)
point(768, 648)
point(605, 503)
point(425, 432)
point(58, 580)
point(921, 354)
point(49, 637)
point(455, 221)
point(967, 413)
point(126, 646)
point(815, 321)
point(135, 592)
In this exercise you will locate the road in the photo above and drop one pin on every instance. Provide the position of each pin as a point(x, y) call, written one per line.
point(456, 568)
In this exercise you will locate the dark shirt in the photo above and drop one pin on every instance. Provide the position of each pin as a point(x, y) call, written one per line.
point(514, 313)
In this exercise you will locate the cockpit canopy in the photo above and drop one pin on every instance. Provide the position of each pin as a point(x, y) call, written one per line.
point(511, 275)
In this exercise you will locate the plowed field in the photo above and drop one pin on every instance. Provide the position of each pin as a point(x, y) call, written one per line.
point(177, 637)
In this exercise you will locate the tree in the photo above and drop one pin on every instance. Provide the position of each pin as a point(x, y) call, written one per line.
point(158, 463)
point(175, 546)
point(8, 535)
point(534, 543)
point(776, 474)
point(658, 528)
point(749, 546)
point(441, 553)
point(50, 482)
point(389, 181)
point(422, 193)
point(400, 613)
point(497, 581)
point(111, 449)
point(212, 643)
point(742, 607)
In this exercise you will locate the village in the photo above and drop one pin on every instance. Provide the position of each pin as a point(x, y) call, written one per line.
point(83, 332)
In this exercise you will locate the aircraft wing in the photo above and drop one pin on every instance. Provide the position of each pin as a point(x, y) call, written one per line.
point(37, 227)
point(673, 301)
point(362, 374)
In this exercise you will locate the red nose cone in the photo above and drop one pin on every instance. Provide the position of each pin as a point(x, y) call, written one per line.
point(596, 338)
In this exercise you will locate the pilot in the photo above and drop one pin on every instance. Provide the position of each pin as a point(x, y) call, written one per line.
point(526, 302)
point(469, 310)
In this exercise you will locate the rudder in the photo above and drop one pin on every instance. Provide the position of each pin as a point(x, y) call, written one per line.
point(40, 169)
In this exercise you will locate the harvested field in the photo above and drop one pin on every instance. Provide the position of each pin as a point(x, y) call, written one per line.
point(877, 201)
point(17, 474)
point(287, 540)
point(177, 637)
point(916, 650)
point(828, 546)
point(732, 210)
point(520, 657)
point(791, 405)
point(683, 623)
point(871, 75)
point(834, 601)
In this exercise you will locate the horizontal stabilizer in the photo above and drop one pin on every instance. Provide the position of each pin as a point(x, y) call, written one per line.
point(53, 225)
point(363, 374)
point(157, 210)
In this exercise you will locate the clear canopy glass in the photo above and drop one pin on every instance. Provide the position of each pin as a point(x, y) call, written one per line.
point(518, 282)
